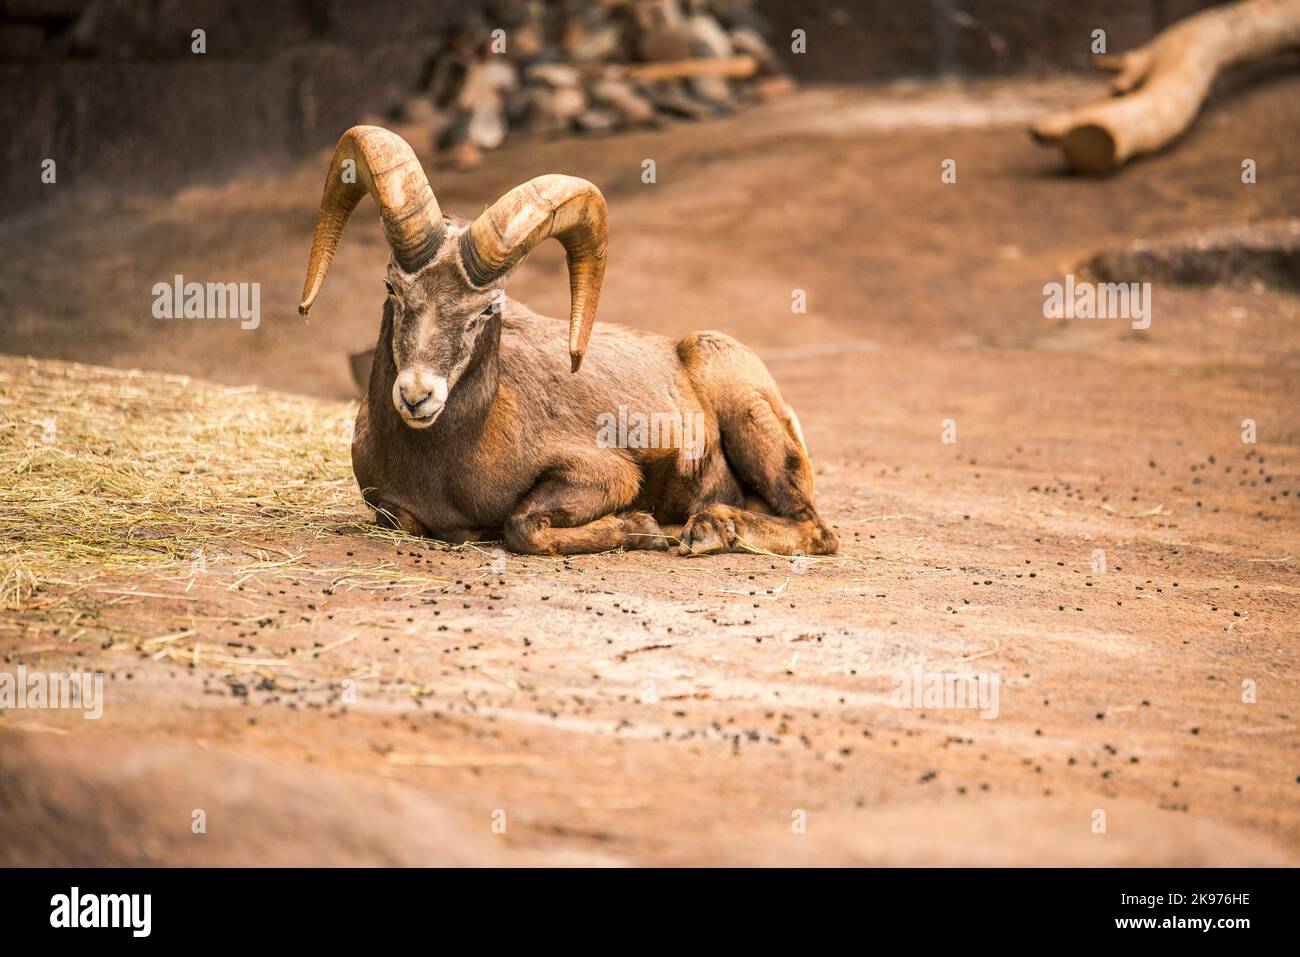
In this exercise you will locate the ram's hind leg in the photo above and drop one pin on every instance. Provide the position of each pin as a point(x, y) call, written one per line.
point(559, 518)
point(536, 535)
point(764, 448)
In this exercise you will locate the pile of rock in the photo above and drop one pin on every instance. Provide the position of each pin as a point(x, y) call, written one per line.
point(550, 67)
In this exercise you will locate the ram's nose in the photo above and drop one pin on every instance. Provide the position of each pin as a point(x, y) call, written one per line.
point(419, 396)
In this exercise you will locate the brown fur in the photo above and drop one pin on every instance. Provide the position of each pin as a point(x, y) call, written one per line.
point(514, 455)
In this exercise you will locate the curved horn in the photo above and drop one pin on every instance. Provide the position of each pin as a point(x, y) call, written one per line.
point(383, 165)
point(564, 207)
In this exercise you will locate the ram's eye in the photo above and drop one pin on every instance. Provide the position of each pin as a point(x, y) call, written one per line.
point(389, 286)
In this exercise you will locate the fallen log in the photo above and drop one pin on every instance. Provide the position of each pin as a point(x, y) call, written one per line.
point(731, 67)
point(1158, 88)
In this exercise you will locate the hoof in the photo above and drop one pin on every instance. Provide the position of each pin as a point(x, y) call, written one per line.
point(643, 532)
point(709, 532)
point(394, 516)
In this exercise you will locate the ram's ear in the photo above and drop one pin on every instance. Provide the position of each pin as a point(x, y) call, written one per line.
point(565, 208)
point(361, 363)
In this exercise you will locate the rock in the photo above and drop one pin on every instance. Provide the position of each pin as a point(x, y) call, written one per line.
point(710, 39)
point(567, 102)
point(597, 121)
point(660, 32)
point(481, 96)
point(524, 43)
point(499, 74)
point(594, 67)
point(487, 124)
point(445, 82)
point(735, 13)
point(592, 43)
point(750, 41)
point(711, 88)
point(419, 109)
point(671, 98)
point(553, 96)
point(621, 96)
point(465, 155)
point(663, 45)
point(1262, 253)
point(551, 111)
point(553, 74)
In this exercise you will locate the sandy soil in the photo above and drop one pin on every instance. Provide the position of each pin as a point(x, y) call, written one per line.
point(642, 708)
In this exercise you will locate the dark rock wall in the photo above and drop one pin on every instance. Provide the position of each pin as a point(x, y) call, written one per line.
point(112, 92)
point(874, 40)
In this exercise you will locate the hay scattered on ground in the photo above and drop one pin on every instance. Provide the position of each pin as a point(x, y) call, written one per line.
point(105, 471)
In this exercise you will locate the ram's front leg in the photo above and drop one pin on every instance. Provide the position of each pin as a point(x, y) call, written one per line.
point(388, 515)
point(558, 518)
point(723, 528)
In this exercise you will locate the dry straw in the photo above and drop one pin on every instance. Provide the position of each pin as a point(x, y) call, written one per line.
point(106, 472)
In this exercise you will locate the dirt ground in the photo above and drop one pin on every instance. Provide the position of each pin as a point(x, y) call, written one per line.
point(647, 709)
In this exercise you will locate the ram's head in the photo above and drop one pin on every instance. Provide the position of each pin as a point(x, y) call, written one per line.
point(445, 280)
